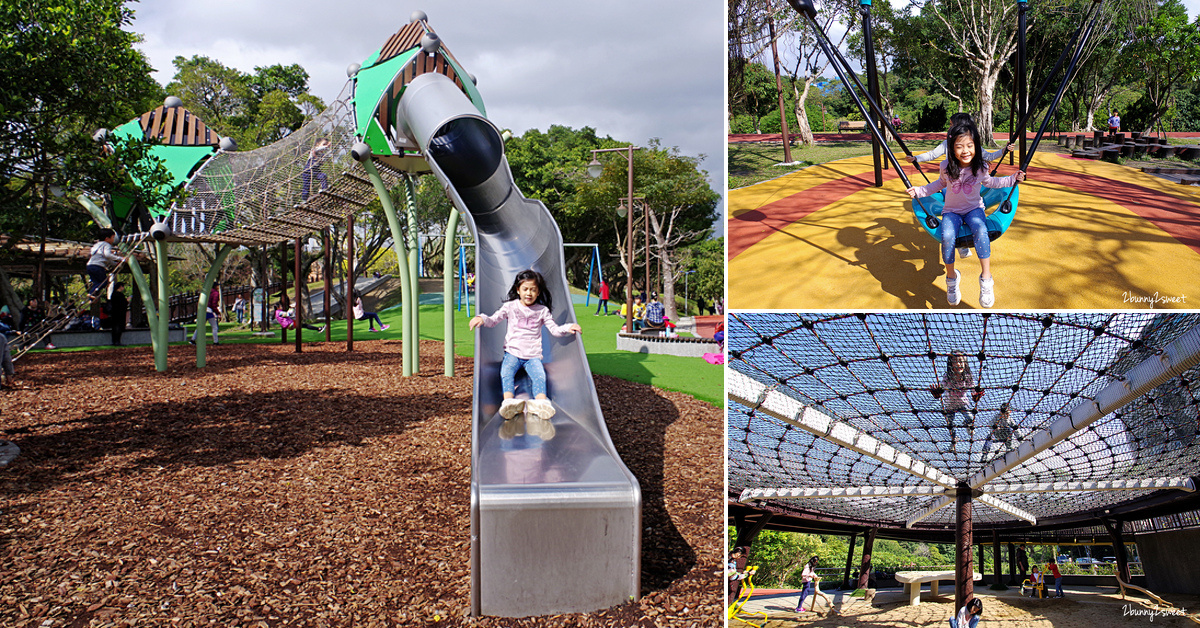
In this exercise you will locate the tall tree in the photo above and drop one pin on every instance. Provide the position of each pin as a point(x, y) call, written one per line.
point(982, 36)
point(1166, 51)
point(67, 67)
point(678, 200)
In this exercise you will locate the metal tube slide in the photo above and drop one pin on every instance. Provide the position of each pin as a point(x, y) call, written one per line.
point(555, 514)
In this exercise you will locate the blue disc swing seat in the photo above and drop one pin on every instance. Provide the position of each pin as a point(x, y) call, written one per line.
point(997, 221)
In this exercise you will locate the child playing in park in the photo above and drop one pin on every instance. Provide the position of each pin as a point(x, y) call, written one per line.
point(527, 309)
point(962, 176)
point(286, 317)
point(1002, 432)
point(940, 150)
point(809, 577)
point(361, 314)
point(955, 384)
point(968, 615)
point(102, 260)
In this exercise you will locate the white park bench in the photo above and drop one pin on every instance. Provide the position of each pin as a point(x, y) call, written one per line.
point(912, 582)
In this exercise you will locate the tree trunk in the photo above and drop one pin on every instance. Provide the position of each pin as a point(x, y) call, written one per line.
point(803, 128)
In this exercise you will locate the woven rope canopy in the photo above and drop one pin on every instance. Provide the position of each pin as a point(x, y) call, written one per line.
point(875, 419)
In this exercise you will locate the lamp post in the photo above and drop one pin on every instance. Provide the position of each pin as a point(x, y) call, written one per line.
point(685, 290)
point(594, 170)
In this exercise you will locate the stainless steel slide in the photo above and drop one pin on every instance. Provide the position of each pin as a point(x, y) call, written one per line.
point(555, 518)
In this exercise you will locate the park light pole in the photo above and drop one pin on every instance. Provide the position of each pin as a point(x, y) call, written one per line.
point(594, 170)
point(685, 290)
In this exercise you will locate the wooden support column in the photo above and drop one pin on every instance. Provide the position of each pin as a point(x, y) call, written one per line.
point(747, 531)
point(296, 291)
point(1116, 531)
point(328, 282)
point(283, 273)
point(849, 561)
point(998, 571)
point(265, 323)
point(1012, 565)
point(348, 286)
point(964, 571)
point(864, 571)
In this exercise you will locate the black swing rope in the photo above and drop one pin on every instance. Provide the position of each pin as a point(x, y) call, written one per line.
point(1019, 129)
point(841, 67)
point(1006, 206)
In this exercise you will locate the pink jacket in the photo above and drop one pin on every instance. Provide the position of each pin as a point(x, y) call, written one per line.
point(963, 195)
point(524, 336)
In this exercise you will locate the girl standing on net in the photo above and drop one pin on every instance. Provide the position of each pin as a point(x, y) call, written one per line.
point(962, 176)
point(527, 310)
point(956, 384)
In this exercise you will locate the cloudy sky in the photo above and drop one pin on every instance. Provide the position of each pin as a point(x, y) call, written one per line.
point(631, 70)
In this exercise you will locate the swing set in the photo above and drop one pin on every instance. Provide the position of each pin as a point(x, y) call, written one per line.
point(1002, 202)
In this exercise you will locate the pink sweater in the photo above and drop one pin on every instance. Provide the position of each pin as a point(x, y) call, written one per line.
point(963, 195)
point(524, 336)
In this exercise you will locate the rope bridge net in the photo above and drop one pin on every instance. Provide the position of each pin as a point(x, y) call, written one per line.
point(281, 191)
point(883, 377)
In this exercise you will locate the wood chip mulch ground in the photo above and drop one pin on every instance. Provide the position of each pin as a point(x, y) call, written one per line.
point(314, 489)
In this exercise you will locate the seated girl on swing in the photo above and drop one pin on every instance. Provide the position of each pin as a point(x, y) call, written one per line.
point(286, 317)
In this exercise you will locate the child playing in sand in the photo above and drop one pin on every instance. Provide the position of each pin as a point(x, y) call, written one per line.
point(527, 310)
point(962, 176)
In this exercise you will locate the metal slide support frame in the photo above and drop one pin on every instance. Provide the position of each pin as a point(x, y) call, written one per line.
point(389, 210)
point(158, 342)
point(202, 305)
point(164, 299)
point(411, 309)
point(448, 293)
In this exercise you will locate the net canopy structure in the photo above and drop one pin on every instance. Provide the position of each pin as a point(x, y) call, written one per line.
point(876, 419)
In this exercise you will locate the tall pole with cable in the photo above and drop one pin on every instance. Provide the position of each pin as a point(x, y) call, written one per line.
point(1022, 88)
point(872, 85)
point(594, 170)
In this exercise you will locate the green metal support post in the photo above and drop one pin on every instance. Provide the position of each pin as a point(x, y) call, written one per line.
point(448, 292)
point(412, 314)
point(389, 210)
point(201, 320)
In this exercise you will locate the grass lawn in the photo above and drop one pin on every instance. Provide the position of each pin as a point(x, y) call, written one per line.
point(692, 376)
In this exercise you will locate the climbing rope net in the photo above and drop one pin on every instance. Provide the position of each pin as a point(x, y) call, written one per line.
point(300, 184)
point(855, 416)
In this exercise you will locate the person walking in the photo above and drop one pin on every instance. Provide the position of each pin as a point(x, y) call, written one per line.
point(603, 298)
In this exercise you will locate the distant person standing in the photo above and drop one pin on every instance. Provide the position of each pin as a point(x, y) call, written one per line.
point(1022, 561)
point(603, 298)
point(118, 312)
point(1114, 123)
point(239, 308)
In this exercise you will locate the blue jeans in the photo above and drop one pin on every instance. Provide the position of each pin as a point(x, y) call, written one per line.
point(974, 620)
point(533, 368)
point(808, 588)
point(948, 231)
point(1058, 586)
point(99, 277)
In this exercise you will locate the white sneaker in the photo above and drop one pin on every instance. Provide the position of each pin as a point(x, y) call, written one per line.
point(987, 291)
point(541, 407)
point(511, 407)
point(953, 296)
point(964, 252)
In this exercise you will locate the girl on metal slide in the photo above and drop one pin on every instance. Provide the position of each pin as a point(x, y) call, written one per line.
point(527, 310)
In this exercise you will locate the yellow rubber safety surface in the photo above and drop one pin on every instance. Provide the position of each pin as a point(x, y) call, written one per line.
point(1087, 235)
